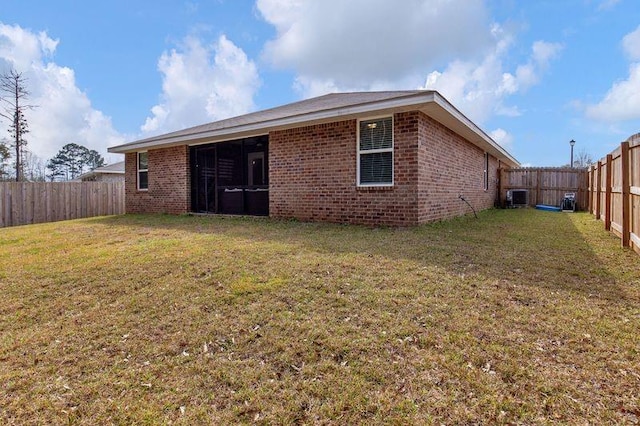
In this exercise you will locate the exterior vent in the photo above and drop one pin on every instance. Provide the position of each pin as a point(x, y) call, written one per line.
point(518, 198)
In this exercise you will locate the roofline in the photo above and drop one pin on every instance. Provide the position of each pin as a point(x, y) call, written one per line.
point(463, 118)
point(101, 172)
point(107, 171)
point(420, 101)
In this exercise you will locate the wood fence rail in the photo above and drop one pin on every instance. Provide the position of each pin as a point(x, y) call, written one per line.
point(546, 185)
point(614, 185)
point(22, 203)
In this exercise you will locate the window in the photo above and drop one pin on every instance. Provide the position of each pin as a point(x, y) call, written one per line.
point(486, 172)
point(143, 171)
point(375, 152)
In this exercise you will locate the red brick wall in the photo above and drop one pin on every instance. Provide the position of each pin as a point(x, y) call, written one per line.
point(312, 173)
point(169, 182)
point(450, 166)
point(312, 176)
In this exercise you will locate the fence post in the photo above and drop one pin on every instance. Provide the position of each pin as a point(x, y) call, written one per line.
point(586, 193)
point(626, 194)
point(607, 195)
point(538, 187)
point(591, 181)
point(599, 190)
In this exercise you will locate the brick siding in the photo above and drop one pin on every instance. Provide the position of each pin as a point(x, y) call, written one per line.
point(313, 174)
point(451, 166)
point(169, 182)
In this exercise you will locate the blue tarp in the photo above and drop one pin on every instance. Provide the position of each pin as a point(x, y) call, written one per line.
point(547, 208)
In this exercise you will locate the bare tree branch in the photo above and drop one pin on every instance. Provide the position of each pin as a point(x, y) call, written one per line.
point(13, 92)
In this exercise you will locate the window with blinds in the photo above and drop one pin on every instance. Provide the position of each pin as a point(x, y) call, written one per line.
point(375, 152)
point(143, 171)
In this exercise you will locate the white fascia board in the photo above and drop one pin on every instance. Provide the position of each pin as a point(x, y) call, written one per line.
point(460, 117)
point(461, 122)
point(264, 127)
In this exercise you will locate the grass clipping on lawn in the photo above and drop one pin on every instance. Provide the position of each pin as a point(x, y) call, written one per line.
point(518, 317)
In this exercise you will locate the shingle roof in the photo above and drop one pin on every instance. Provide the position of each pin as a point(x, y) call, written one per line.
point(331, 107)
point(110, 168)
point(321, 103)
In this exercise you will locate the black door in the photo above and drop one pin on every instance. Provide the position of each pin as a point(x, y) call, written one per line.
point(231, 177)
point(204, 180)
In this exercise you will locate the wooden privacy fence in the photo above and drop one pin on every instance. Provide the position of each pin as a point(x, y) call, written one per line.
point(614, 185)
point(546, 185)
point(23, 203)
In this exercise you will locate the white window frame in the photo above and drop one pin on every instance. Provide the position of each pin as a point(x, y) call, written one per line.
point(485, 177)
point(139, 170)
point(374, 151)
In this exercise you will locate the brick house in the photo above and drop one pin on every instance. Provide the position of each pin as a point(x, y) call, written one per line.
point(393, 158)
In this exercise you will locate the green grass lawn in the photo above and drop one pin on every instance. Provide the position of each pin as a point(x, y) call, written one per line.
point(520, 316)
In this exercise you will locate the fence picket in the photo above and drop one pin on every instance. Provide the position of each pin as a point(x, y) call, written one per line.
point(23, 203)
point(546, 185)
point(619, 193)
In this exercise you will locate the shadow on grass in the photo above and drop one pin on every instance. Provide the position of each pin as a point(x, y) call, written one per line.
point(542, 250)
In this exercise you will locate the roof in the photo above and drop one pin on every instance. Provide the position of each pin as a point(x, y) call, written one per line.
point(324, 109)
point(115, 168)
point(111, 168)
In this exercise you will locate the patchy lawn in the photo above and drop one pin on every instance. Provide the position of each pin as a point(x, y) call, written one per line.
point(519, 317)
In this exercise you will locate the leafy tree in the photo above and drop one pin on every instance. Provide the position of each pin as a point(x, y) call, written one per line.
point(13, 93)
point(5, 154)
point(56, 169)
point(93, 159)
point(71, 161)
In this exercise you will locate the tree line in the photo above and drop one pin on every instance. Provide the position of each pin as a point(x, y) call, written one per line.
point(16, 161)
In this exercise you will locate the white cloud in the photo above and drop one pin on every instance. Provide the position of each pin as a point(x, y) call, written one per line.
point(361, 44)
point(622, 101)
point(202, 83)
point(542, 53)
point(504, 138)
point(607, 4)
point(479, 88)
point(631, 45)
point(64, 113)
point(336, 45)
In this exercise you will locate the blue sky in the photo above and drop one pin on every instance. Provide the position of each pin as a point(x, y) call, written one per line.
point(533, 74)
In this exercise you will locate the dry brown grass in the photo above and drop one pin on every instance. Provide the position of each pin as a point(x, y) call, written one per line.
point(518, 317)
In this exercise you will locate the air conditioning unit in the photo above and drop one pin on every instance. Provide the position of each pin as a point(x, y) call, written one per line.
point(568, 202)
point(517, 198)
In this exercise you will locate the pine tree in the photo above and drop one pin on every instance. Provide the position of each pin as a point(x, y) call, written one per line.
point(5, 154)
point(57, 169)
point(17, 130)
point(12, 86)
point(93, 160)
point(73, 160)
